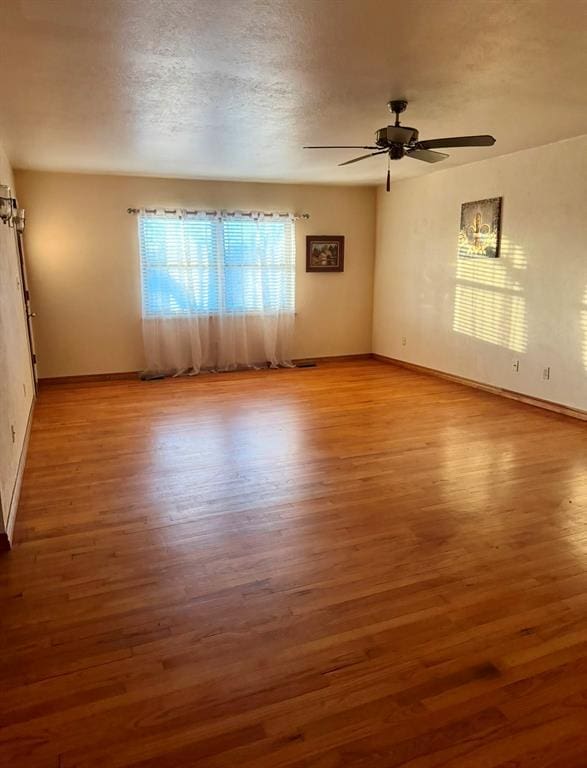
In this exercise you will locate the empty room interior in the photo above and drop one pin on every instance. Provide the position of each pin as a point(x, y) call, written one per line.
point(293, 384)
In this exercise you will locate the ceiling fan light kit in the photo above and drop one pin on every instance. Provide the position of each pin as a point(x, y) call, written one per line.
point(398, 141)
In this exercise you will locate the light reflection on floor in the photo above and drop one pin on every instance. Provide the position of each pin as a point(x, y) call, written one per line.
point(483, 480)
point(237, 445)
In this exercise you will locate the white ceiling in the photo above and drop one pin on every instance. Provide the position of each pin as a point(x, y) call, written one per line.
point(234, 88)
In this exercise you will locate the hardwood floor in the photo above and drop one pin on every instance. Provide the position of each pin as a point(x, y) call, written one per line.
point(352, 566)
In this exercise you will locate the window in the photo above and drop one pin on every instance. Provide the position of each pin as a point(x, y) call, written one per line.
point(198, 264)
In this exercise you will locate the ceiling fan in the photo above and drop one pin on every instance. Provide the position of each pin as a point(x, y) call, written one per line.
point(397, 141)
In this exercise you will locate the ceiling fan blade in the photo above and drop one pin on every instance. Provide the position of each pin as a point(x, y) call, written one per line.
point(457, 141)
point(364, 157)
point(341, 147)
point(427, 155)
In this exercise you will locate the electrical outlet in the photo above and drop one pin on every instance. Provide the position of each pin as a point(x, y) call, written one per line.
point(404, 341)
point(546, 374)
point(516, 366)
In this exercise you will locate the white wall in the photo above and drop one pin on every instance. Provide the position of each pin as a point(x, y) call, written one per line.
point(83, 260)
point(475, 318)
point(16, 382)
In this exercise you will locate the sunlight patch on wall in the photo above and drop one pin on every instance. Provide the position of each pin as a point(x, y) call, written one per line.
point(489, 298)
point(584, 327)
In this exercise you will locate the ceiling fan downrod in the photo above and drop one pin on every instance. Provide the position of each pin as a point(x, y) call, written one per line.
point(396, 107)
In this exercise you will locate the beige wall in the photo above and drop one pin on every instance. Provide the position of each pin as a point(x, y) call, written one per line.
point(84, 264)
point(477, 318)
point(470, 318)
point(16, 382)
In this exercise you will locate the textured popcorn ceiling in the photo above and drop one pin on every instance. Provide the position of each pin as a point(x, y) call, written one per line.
point(234, 88)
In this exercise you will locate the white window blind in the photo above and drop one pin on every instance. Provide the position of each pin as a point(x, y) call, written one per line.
point(198, 264)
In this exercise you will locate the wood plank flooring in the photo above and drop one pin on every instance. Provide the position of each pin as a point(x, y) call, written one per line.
point(352, 566)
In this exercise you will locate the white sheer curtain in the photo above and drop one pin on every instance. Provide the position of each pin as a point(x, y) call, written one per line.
point(218, 290)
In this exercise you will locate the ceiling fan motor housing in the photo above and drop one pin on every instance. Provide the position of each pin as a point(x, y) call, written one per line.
point(395, 134)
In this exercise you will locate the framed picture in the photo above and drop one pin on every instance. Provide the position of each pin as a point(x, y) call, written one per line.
point(325, 253)
point(480, 229)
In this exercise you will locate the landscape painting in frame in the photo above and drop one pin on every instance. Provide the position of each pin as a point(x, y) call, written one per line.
point(325, 253)
point(480, 229)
